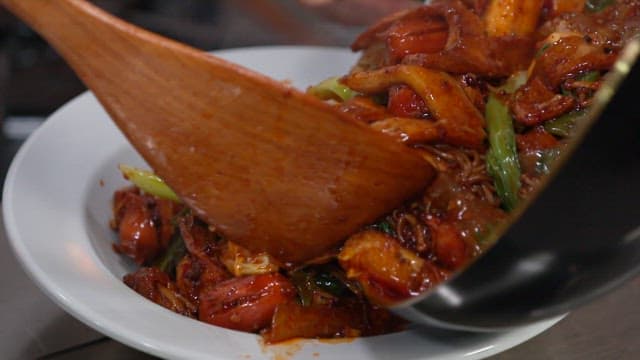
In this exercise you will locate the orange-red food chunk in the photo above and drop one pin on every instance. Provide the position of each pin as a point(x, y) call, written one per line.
point(245, 303)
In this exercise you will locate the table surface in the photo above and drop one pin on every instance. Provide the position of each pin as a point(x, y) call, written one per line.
point(34, 327)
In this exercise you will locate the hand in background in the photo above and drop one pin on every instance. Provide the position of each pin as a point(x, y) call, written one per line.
point(358, 12)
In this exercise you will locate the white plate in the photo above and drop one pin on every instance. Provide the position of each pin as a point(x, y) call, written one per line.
point(56, 211)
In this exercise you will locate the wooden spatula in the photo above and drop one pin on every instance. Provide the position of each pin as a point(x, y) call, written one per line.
point(270, 167)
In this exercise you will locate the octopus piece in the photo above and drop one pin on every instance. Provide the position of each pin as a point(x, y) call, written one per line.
point(561, 61)
point(448, 36)
point(245, 303)
point(404, 102)
point(156, 286)
point(512, 17)
point(408, 130)
point(449, 248)
point(534, 103)
point(455, 119)
point(386, 270)
point(143, 223)
point(193, 276)
point(569, 57)
point(363, 109)
point(613, 26)
point(292, 320)
point(458, 219)
point(376, 33)
point(349, 318)
point(202, 268)
point(416, 36)
point(536, 139)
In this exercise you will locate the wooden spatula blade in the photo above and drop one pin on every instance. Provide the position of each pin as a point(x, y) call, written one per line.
point(271, 168)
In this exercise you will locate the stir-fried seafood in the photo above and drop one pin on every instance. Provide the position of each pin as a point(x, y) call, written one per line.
point(487, 91)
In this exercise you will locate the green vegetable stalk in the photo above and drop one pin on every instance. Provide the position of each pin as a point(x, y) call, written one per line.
point(563, 125)
point(174, 253)
point(590, 76)
point(148, 182)
point(302, 280)
point(332, 89)
point(502, 157)
point(514, 82)
point(330, 283)
point(385, 227)
point(325, 280)
point(597, 5)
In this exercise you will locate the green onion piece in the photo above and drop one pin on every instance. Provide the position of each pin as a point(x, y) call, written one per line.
point(590, 76)
point(487, 235)
point(329, 283)
point(385, 227)
point(563, 125)
point(502, 157)
point(172, 256)
point(597, 5)
point(148, 182)
point(514, 82)
point(315, 283)
point(301, 279)
point(332, 89)
point(542, 50)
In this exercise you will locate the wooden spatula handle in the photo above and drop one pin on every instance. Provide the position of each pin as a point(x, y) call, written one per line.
point(272, 168)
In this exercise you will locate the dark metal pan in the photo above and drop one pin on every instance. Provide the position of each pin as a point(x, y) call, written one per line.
point(578, 238)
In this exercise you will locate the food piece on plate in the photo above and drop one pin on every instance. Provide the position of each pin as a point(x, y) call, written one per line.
point(292, 320)
point(468, 48)
point(148, 182)
point(156, 286)
point(201, 268)
point(455, 118)
point(245, 303)
point(349, 319)
point(387, 271)
point(143, 224)
point(512, 17)
point(240, 261)
point(559, 7)
point(405, 102)
point(416, 36)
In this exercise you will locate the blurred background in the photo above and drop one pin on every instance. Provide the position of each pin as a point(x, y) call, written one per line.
point(34, 81)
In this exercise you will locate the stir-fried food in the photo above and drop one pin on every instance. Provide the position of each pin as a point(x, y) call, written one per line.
point(488, 92)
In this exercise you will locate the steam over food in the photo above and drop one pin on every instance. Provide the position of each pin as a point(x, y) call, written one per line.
point(487, 91)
